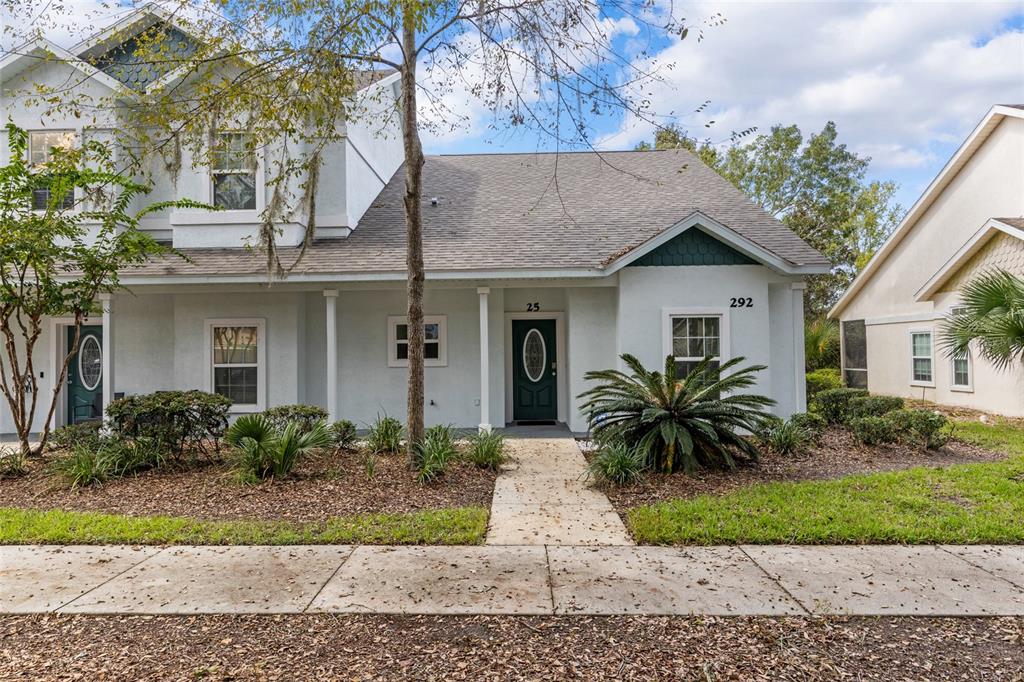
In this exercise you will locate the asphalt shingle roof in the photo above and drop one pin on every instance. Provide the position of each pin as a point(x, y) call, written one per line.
point(527, 211)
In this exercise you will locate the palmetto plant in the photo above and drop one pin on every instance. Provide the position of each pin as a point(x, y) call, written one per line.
point(678, 422)
point(265, 452)
point(991, 314)
point(821, 343)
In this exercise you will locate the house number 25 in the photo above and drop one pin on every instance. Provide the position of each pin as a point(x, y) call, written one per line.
point(533, 307)
point(741, 303)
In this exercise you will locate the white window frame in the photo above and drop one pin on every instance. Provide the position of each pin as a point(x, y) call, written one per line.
point(953, 386)
point(259, 180)
point(724, 342)
point(261, 358)
point(442, 340)
point(75, 202)
point(931, 357)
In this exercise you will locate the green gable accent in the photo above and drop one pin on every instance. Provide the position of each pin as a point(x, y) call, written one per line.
point(693, 247)
point(126, 65)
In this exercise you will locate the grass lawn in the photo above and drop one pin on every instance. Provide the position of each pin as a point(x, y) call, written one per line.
point(459, 526)
point(968, 503)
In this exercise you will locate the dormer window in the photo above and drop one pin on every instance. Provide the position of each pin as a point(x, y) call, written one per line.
point(234, 172)
point(41, 144)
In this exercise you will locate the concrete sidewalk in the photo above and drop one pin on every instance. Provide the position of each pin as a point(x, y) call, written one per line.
point(746, 580)
point(543, 498)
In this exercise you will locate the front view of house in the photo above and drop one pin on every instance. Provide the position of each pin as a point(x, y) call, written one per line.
point(540, 268)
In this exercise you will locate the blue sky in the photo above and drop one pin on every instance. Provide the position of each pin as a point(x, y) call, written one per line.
point(905, 82)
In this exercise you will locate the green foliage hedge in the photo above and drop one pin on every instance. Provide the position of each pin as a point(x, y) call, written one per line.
point(178, 421)
point(306, 416)
point(834, 403)
point(823, 380)
point(872, 406)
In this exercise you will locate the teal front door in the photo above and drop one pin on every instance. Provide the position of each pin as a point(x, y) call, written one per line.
point(534, 371)
point(85, 376)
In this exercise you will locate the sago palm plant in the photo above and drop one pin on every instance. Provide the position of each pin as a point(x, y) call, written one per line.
point(991, 314)
point(678, 423)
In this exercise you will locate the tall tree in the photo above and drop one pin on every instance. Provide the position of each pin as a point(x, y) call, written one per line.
point(817, 188)
point(52, 266)
point(290, 72)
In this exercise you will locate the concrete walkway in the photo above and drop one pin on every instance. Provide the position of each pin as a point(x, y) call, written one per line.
point(746, 580)
point(543, 498)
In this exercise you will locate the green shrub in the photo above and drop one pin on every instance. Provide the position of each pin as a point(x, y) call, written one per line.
point(823, 380)
point(66, 437)
point(785, 436)
point(873, 430)
point(487, 450)
point(12, 463)
point(265, 452)
point(814, 424)
point(305, 416)
point(618, 464)
point(178, 421)
point(872, 406)
point(385, 435)
point(677, 423)
point(833, 403)
point(344, 433)
point(434, 453)
point(923, 428)
point(88, 464)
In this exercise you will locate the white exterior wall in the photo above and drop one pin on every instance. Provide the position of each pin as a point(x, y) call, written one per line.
point(592, 337)
point(990, 185)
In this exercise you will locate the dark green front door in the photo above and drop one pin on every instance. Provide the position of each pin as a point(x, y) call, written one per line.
point(534, 382)
point(85, 376)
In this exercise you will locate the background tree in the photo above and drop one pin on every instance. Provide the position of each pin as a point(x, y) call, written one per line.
point(289, 72)
point(51, 267)
point(991, 315)
point(817, 188)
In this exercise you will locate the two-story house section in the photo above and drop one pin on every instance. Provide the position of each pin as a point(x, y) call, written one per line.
point(649, 253)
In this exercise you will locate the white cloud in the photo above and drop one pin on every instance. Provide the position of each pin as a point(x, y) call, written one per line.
point(896, 78)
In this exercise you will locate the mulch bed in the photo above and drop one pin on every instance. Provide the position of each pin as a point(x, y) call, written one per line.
point(839, 454)
point(321, 486)
point(351, 647)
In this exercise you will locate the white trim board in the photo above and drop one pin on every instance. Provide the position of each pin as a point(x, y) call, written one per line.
point(976, 243)
point(560, 358)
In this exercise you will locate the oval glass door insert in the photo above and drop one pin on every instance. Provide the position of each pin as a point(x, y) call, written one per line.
point(535, 355)
point(90, 362)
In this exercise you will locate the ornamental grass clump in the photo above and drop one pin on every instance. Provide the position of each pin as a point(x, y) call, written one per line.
point(785, 437)
point(385, 435)
point(434, 453)
point(487, 450)
point(678, 422)
point(618, 464)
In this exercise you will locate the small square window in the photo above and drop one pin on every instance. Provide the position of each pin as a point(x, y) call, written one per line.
point(435, 352)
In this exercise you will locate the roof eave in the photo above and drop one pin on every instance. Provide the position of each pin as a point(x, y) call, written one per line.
point(977, 241)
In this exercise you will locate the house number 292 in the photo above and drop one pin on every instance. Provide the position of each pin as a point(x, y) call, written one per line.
point(741, 303)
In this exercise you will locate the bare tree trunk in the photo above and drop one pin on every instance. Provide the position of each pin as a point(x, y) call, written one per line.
point(414, 228)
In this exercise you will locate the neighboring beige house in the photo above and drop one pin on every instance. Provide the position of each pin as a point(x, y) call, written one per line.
point(968, 220)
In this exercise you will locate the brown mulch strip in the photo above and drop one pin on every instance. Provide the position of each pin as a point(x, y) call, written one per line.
point(964, 413)
point(839, 454)
point(351, 647)
point(321, 486)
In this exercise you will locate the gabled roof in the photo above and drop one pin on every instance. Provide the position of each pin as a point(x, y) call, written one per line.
point(533, 215)
point(992, 227)
point(967, 150)
point(35, 51)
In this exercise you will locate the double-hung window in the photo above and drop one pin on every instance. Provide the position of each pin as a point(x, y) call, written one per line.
point(694, 338)
point(921, 359)
point(960, 365)
point(234, 172)
point(435, 341)
point(41, 144)
point(237, 361)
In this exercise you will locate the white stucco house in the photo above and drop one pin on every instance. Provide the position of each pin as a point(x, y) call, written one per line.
point(970, 219)
point(528, 286)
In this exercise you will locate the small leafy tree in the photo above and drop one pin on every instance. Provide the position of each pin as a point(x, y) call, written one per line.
point(992, 315)
point(691, 422)
point(50, 266)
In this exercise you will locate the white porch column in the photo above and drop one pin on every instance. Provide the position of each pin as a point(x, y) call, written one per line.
point(331, 299)
point(799, 360)
point(107, 301)
point(485, 362)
